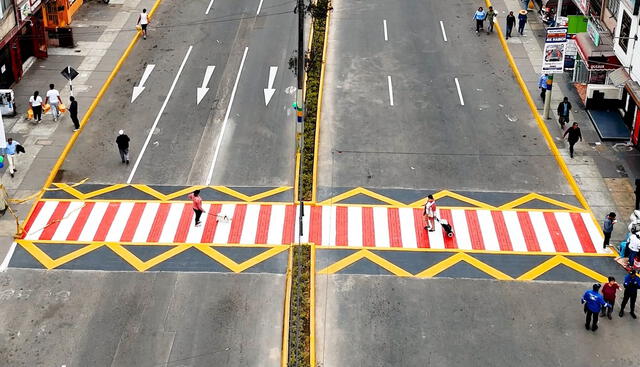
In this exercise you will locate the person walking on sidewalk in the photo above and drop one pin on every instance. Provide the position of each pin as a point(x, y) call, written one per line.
point(522, 20)
point(35, 101)
point(633, 245)
point(573, 134)
point(564, 108)
point(123, 146)
point(11, 151)
point(542, 84)
point(196, 200)
point(511, 21)
point(143, 21)
point(491, 15)
point(607, 228)
point(593, 303)
point(73, 112)
point(429, 214)
point(53, 99)
point(479, 16)
point(631, 285)
point(609, 294)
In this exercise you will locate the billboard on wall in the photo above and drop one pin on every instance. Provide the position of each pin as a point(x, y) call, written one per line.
point(554, 50)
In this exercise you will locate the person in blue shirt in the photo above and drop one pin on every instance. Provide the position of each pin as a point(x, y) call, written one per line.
point(10, 152)
point(593, 303)
point(542, 84)
point(479, 16)
point(631, 285)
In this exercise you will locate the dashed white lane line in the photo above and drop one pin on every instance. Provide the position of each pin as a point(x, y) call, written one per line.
point(444, 34)
point(155, 123)
point(390, 90)
point(459, 91)
point(259, 7)
point(384, 25)
point(226, 117)
point(209, 7)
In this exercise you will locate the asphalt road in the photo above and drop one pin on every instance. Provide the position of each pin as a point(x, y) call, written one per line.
point(77, 318)
point(426, 140)
point(391, 321)
point(231, 137)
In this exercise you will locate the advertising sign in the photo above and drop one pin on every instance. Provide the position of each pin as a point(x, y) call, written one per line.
point(592, 30)
point(554, 50)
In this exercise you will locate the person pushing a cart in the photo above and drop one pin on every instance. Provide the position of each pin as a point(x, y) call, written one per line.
point(429, 213)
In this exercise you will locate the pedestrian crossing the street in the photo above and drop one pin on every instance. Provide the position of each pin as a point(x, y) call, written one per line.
point(325, 225)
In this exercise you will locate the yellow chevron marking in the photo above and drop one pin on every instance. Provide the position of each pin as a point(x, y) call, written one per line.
point(557, 260)
point(365, 254)
point(234, 266)
point(461, 256)
point(533, 196)
point(453, 195)
point(145, 265)
point(362, 191)
point(243, 197)
point(50, 263)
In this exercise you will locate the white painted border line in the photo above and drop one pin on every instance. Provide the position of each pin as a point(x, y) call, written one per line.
point(209, 7)
point(459, 92)
point(7, 259)
point(155, 123)
point(444, 34)
point(259, 7)
point(390, 90)
point(226, 117)
point(384, 25)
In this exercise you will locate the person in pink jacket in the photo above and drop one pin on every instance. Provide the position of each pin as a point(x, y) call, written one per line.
point(197, 205)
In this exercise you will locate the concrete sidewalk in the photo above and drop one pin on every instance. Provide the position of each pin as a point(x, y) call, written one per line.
point(604, 171)
point(102, 33)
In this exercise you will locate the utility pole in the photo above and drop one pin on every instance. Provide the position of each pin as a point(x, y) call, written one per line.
point(547, 96)
point(300, 106)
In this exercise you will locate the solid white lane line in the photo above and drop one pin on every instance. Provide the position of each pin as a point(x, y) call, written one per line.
point(155, 123)
point(444, 34)
point(459, 92)
point(209, 7)
point(7, 258)
point(390, 90)
point(384, 24)
point(226, 117)
point(259, 7)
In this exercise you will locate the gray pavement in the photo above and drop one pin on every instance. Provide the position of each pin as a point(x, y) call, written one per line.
point(391, 321)
point(78, 318)
point(427, 139)
point(257, 144)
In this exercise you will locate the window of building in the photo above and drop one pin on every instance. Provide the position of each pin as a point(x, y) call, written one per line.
point(613, 6)
point(4, 6)
point(625, 31)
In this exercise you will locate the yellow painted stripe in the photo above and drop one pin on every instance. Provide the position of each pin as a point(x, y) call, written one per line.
point(284, 357)
point(561, 260)
point(312, 307)
point(330, 248)
point(365, 254)
point(140, 265)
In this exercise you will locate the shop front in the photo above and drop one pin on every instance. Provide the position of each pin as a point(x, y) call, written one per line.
point(58, 17)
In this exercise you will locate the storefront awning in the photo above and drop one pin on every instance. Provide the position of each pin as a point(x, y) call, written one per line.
point(597, 57)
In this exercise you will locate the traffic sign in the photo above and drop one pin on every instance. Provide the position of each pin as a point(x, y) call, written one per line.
point(69, 73)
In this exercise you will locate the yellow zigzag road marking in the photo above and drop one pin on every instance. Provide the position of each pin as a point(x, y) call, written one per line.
point(234, 266)
point(533, 196)
point(454, 195)
point(363, 191)
point(162, 197)
point(140, 265)
point(255, 197)
point(365, 254)
point(557, 260)
point(456, 258)
point(82, 196)
point(461, 256)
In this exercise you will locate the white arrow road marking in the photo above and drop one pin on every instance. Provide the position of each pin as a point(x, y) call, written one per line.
point(209, 7)
point(268, 93)
point(137, 90)
point(155, 123)
point(226, 117)
point(259, 7)
point(203, 89)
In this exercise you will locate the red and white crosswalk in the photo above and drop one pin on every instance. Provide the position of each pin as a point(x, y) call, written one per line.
point(275, 224)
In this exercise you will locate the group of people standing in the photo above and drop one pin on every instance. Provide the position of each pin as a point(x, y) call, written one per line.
point(596, 304)
point(490, 16)
point(53, 100)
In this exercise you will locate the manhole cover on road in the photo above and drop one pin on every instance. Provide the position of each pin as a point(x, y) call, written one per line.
point(44, 142)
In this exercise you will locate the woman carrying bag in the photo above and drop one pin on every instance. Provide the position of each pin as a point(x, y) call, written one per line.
point(36, 104)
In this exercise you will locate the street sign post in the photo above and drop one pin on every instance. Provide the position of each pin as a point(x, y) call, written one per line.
point(69, 73)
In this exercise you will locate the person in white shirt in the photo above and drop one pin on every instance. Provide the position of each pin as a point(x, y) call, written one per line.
point(143, 20)
point(53, 99)
point(35, 101)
